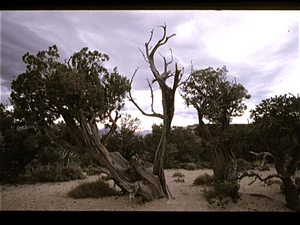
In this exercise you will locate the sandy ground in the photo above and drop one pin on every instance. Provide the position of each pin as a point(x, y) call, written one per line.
point(53, 196)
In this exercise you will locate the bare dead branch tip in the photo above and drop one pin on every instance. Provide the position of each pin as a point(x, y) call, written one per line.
point(130, 98)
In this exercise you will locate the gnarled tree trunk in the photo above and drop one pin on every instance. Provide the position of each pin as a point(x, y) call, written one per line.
point(168, 96)
point(158, 166)
point(131, 176)
point(291, 190)
point(224, 163)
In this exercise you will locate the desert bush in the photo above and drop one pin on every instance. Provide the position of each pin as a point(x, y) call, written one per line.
point(56, 174)
point(72, 173)
point(189, 166)
point(204, 179)
point(178, 174)
point(96, 189)
point(180, 180)
point(204, 165)
point(221, 191)
point(243, 165)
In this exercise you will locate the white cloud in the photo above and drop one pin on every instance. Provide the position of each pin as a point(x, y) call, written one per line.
point(250, 33)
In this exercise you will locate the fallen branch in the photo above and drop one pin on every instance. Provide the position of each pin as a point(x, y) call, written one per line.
point(264, 154)
point(257, 176)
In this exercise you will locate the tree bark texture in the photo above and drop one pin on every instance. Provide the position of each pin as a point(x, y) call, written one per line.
point(168, 98)
point(131, 176)
point(224, 163)
point(290, 190)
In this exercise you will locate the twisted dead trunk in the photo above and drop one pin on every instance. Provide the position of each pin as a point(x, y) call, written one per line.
point(168, 98)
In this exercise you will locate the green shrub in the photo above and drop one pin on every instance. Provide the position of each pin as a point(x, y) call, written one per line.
point(72, 173)
point(181, 180)
point(204, 179)
point(243, 165)
point(178, 174)
point(188, 166)
point(56, 174)
point(96, 189)
point(220, 191)
point(204, 165)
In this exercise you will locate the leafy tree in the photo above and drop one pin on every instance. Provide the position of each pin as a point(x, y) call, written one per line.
point(83, 93)
point(19, 146)
point(217, 100)
point(53, 155)
point(125, 140)
point(277, 122)
point(152, 140)
point(183, 146)
point(186, 147)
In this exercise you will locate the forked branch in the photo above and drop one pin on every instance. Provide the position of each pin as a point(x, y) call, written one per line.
point(165, 61)
point(257, 176)
point(264, 154)
point(112, 129)
point(152, 97)
point(130, 98)
point(149, 56)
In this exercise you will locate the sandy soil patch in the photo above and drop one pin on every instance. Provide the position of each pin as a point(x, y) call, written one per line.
point(53, 196)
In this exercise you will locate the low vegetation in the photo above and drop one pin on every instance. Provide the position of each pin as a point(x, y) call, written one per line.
point(95, 189)
point(204, 179)
point(46, 174)
point(178, 174)
point(57, 174)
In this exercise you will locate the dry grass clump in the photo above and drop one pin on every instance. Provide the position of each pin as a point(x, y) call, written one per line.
point(95, 189)
point(204, 179)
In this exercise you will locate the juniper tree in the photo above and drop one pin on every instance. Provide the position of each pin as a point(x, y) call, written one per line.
point(83, 93)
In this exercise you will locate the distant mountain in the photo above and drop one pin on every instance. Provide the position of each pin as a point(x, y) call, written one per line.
point(143, 133)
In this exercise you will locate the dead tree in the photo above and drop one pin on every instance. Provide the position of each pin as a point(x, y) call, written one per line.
point(263, 154)
point(168, 97)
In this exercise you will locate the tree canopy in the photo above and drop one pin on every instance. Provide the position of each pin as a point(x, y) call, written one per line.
point(214, 98)
point(83, 93)
point(50, 89)
point(277, 123)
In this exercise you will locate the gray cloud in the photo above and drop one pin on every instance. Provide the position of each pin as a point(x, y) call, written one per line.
point(120, 33)
point(16, 40)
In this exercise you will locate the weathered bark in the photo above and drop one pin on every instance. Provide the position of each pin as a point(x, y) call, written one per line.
point(158, 166)
point(290, 190)
point(223, 160)
point(168, 95)
point(224, 164)
point(131, 177)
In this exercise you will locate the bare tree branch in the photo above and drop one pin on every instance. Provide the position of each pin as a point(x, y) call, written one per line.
point(257, 176)
point(130, 98)
point(112, 129)
point(165, 61)
point(62, 144)
point(177, 77)
point(264, 154)
point(144, 56)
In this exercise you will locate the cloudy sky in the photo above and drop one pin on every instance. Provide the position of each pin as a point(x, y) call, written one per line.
point(259, 48)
